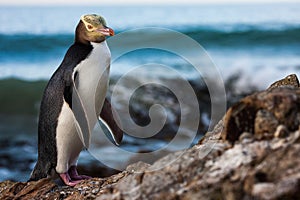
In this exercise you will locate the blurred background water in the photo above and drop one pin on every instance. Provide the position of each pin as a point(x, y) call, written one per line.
point(252, 44)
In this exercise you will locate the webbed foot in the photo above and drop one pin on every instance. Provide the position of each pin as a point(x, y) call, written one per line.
point(67, 180)
point(75, 176)
point(71, 177)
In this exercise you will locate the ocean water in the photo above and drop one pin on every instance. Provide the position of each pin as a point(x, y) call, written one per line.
point(247, 38)
point(256, 43)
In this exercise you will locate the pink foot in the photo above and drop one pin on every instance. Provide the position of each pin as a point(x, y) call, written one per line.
point(74, 174)
point(67, 180)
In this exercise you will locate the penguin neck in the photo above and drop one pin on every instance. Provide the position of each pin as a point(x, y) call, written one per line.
point(82, 41)
point(80, 34)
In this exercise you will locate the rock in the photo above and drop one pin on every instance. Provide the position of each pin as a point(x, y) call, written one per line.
point(264, 123)
point(30, 190)
point(289, 81)
point(243, 171)
point(48, 189)
point(260, 113)
point(157, 93)
point(230, 162)
point(281, 132)
point(246, 137)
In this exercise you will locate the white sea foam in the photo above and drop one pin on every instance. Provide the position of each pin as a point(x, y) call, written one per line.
point(256, 62)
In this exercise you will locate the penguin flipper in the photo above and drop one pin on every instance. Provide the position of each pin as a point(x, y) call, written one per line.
point(72, 97)
point(111, 120)
point(81, 122)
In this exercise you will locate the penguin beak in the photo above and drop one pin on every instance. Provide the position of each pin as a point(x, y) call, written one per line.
point(106, 31)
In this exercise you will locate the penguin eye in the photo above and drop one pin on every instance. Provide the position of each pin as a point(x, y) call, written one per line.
point(90, 27)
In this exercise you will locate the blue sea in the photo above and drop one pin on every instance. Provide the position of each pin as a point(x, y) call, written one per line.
point(256, 43)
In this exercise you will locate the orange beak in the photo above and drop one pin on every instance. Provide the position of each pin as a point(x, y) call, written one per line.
point(111, 32)
point(107, 31)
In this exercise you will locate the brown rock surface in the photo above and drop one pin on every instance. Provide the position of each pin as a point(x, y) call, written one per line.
point(290, 81)
point(253, 153)
point(260, 113)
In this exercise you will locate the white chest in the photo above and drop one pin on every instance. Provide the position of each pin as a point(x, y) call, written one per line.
point(92, 83)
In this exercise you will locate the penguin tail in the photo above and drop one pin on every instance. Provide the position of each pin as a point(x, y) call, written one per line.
point(40, 171)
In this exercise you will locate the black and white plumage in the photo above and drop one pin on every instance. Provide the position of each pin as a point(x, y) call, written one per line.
point(72, 102)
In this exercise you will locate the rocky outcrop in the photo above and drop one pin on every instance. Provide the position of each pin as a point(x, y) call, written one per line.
point(258, 161)
point(252, 153)
point(262, 113)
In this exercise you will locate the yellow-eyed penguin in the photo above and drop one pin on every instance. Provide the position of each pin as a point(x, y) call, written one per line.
point(73, 100)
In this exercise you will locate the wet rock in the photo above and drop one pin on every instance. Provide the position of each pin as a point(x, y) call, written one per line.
point(157, 92)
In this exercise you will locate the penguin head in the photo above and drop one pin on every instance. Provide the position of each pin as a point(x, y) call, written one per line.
point(92, 28)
